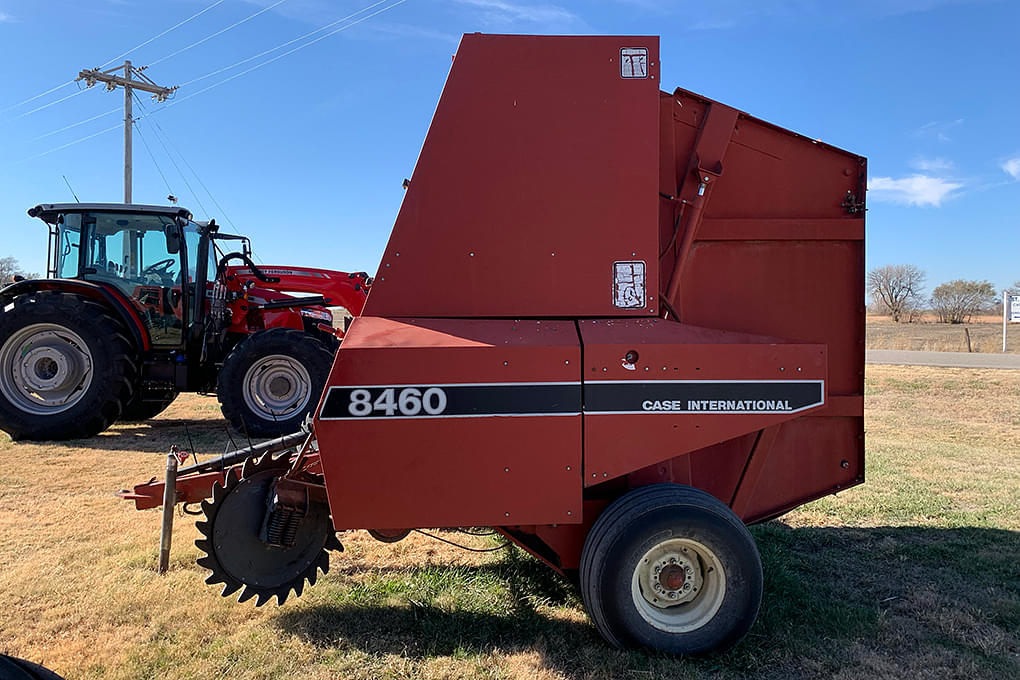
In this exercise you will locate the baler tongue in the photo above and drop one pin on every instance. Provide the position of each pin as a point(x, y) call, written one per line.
point(264, 533)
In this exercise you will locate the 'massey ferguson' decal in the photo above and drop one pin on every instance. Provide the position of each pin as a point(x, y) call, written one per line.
point(702, 396)
point(360, 402)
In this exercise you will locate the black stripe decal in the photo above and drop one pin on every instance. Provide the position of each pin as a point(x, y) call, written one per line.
point(778, 396)
point(367, 402)
point(451, 401)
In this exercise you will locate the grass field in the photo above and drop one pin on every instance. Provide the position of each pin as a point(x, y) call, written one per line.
point(927, 335)
point(913, 575)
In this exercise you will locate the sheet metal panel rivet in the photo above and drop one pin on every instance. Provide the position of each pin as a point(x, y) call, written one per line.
point(396, 254)
point(567, 362)
point(568, 468)
point(782, 368)
point(506, 363)
point(799, 369)
point(506, 514)
point(387, 264)
point(471, 254)
point(605, 474)
point(569, 512)
point(506, 469)
point(593, 474)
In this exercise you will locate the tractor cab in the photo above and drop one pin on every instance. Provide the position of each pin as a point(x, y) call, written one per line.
point(148, 254)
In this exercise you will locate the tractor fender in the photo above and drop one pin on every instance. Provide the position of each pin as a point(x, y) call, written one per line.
point(112, 299)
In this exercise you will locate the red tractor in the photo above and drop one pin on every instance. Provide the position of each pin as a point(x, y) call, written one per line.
point(141, 303)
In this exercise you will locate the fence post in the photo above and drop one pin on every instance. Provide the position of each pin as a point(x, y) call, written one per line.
point(169, 501)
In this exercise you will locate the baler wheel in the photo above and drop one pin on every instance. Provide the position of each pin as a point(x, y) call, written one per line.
point(234, 551)
point(671, 568)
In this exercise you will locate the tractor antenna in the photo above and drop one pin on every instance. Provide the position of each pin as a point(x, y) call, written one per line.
point(70, 189)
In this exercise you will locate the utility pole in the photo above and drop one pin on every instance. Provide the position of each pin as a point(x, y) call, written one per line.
point(159, 93)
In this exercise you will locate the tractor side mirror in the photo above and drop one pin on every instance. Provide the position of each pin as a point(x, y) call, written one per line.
point(173, 238)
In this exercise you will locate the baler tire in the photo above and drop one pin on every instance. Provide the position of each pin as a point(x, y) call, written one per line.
point(111, 366)
point(137, 411)
point(19, 669)
point(300, 347)
point(637, 526)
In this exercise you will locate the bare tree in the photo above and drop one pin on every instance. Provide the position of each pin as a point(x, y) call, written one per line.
point(9, 268)
point(957, 301)
point(897, 288)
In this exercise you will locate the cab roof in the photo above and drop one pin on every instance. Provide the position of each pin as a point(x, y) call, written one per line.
point(48, 211)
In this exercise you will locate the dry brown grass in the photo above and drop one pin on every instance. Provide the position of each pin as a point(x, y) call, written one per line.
point(930, 336)
point(913, 574)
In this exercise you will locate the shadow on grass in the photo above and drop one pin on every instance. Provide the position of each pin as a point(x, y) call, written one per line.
point(209, 437)
point(907, 601)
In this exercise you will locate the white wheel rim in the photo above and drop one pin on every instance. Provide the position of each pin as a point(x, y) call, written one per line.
point(276, 387)
point(678, 585)
point(45, 369)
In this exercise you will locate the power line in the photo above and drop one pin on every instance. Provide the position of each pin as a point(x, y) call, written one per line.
point(120, 56)
point(219, 32)
point(225, 80)
point(32, 99)
point(80, 122)
point(281, 56)
point(177, 167)
point(118, 126)
point(52, 103)
point(282, 45)
point(149, 151)
point(160, 35)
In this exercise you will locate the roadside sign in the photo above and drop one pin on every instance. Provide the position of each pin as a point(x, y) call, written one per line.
point(1014, 308)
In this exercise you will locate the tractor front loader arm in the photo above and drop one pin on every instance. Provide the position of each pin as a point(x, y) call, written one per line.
point(338, 289)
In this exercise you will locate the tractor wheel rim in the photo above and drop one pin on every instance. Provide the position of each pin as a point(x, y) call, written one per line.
point(45, 369)
point(678, 585)
point(276, 387)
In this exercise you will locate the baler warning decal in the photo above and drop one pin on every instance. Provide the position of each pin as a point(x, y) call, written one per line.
point(702, 396)
point(629, 284)
point(634, 62)
point(372, 402)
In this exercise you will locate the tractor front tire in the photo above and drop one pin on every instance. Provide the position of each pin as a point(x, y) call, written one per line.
point(66, 367)
point(671, 568)
point(137, 410)
point(271, 380)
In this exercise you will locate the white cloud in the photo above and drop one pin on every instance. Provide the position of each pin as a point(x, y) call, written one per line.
point(931, 164)
point(913, 190)
point(6, 18)
point(502, 11)
point(938, 129)
point(1012, 167)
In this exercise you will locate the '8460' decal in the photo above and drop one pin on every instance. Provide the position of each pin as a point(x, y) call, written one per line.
point(409, 401)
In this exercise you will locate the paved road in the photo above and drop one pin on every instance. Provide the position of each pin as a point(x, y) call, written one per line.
point(953, 359)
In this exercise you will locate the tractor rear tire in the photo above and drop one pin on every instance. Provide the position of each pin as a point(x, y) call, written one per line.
point(671, 568)
point(66, 367)
point(136, 410)
point(271, 380)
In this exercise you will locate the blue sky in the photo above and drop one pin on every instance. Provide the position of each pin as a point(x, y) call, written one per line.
point(307, 153)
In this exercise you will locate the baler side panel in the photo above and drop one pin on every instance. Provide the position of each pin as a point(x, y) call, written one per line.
point(694, 363)
point(540, 168)
point(460, 465)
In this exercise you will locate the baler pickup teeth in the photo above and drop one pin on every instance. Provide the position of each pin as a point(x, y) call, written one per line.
point(233, 547)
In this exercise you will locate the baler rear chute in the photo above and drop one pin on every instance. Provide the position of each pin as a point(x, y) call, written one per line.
point(617, 324)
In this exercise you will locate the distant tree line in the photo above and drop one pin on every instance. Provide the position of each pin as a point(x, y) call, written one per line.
point(897, 290)
point(9, 268)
